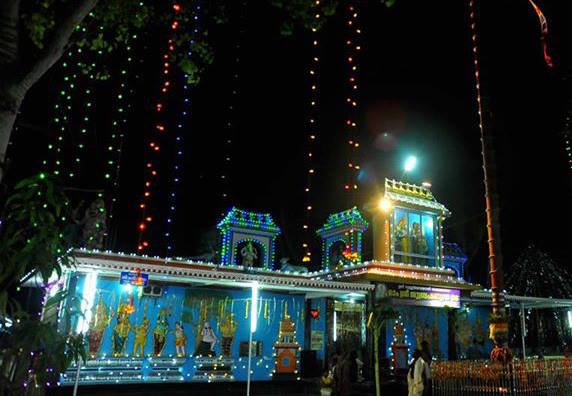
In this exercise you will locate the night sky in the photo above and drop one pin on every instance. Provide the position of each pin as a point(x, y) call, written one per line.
point(416, 84)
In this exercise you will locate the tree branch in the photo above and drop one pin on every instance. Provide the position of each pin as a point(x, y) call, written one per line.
point(57, 44)
point(9, 10)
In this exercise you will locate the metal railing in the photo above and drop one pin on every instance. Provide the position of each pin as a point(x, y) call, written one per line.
point(521, 377)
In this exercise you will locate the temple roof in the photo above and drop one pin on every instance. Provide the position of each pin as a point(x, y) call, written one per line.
point(347, 219)
point(385, 271)
point(249, 220)
point(413, 195)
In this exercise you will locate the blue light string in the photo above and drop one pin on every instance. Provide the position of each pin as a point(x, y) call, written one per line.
point(177, 163)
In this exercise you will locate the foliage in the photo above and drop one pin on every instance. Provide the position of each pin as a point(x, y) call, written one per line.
point(380, 315)
point(32, 243)
point(114, 24)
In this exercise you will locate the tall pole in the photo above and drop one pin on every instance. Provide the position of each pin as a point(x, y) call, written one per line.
point(253, 324)
point(523, 330)
point(498, 323)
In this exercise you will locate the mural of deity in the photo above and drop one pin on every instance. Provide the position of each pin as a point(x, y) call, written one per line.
point(207, 341)
point(160, 332)
point(140, 337)
point(402, 237)
point(418, 241)
point(249, 254)
point(180, 339)
point(227, 329)
point(99, 321)
point(121, 329)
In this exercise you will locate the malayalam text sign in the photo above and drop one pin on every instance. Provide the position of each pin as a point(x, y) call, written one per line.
point(425, 296)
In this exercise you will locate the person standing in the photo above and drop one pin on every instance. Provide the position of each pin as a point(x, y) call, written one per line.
point(427, 359)
point(415, 375)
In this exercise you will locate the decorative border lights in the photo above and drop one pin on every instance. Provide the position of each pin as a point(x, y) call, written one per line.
point(241, 218)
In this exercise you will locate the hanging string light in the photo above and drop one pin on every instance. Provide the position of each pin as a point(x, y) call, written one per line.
point(153, 146)
point(62, 110)
point(230, 125)
point(313, 70)
point(119, 126)
point(353, 48)
point(178, 144)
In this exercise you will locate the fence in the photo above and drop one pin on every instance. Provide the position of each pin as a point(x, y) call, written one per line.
point(536, 377)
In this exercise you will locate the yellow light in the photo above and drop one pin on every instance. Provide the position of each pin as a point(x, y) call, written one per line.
point(384, 204)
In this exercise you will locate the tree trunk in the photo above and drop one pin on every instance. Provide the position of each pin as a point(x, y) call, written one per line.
point(7, 120)
point(376, 360)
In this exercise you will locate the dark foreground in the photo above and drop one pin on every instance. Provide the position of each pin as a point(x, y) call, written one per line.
point(296, 388)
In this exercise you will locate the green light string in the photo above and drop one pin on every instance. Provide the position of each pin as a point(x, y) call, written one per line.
point(61, 119)
point(119, 127)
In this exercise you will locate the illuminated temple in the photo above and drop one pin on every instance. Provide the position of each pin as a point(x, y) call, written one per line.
point(174, 320)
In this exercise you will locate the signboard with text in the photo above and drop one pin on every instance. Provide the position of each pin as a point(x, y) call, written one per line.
point(424, 296)
point(134, 278)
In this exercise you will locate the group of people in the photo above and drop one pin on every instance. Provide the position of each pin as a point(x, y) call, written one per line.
point(343, 374)
point(419, 372)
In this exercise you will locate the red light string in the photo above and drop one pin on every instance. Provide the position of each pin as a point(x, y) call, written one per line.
point(230, 125)
point(353, 48)
point(153, 146)
point(473, 23)
point(313, 70)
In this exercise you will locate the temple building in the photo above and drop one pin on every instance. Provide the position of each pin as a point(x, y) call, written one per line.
point(152, 319)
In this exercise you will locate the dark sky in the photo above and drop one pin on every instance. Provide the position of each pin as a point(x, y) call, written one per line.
point(416, 83)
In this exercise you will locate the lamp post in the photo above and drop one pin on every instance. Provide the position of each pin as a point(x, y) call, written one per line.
point(253, 322)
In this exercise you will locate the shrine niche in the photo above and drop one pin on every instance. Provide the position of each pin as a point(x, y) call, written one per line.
point(342, 238)
point(248, 239)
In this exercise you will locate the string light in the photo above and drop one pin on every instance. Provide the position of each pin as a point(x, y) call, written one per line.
point(177, 163)
point(230, 126)
point(62, 109)
point(153, 146)
point(312, 132)
point(353, 49)
point(118, 128)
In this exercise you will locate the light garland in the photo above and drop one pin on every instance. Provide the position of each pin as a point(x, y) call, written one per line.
point(230, 124)
point(160, 130)
point(353, 49)
point(312, 132)
point(118, 129)
point(62, 109)
point(177, 163)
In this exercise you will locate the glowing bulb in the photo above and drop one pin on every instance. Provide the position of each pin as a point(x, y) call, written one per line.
point(410, 163)
point(384, 204)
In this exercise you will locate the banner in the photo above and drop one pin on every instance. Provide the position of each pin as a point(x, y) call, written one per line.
point(424, 296)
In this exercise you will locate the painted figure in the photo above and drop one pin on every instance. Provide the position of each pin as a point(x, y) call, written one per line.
point(249, 254)
point(99, 322)
point(207, 341)
point(418, 241)
point(141, 337)
point(160, 332)
point(227, 329)
point(180, 339)
point(402, 238)
point(121, 328)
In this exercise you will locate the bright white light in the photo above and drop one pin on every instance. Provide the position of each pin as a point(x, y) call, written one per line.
point(429, 223)
point(384, 204)
point(410, 163)
point(88, 297)
point(254, 307)
point(335, 326)
point(570, 319)
point(127, 288)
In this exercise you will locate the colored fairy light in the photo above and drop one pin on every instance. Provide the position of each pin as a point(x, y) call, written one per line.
point(353, 49)
point(230, 123)
point(313, 71)
point(178, 145)
point(158, 131)
point(118, 128)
